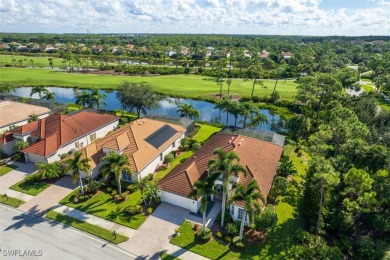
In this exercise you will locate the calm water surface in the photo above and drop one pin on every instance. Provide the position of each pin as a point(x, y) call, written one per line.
point(167, 106)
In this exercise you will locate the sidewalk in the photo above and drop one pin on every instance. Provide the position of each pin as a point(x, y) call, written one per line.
point(18, 195)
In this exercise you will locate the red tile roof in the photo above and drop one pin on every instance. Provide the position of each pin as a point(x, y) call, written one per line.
point(57, 130)
point(261, 159)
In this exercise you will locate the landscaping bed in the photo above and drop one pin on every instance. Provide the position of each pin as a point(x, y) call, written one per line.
point(6, 169)
point(89, 228)
point(31, 188)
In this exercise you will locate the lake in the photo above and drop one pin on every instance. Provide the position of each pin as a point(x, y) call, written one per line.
point(167, 106)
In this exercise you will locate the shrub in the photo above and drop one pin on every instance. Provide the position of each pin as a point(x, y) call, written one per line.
point(196, 227)
point(34, 177)
point(239, 245)
point(118, 197)
point(109, 190)
point(195, 146)
point(231, 229)
point(63, 156)
point(133, 209)
point(168, 158)
point(124, 120)
point(267, 220)
point(288, 149)
point(125, 194)
point(132, 187)
point(150, 176)
point(236, 239)
point(204, 238)
point(157, 200)
point(114, 183)
point(114, 192)
point(150, 211)
point(219, 235)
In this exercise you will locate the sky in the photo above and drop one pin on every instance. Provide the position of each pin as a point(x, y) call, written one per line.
point(266, 17)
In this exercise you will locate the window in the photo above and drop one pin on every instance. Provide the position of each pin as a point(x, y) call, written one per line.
point(77, 144)
point(174, 144)
point(240, 211)
point(126, 176)
point(92, 137)
point(161, 156)
point(232, 210)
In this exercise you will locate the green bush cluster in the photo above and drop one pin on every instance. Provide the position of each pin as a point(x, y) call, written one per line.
point(133, 209)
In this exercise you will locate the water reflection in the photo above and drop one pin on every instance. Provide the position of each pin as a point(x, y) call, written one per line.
point(167, 106)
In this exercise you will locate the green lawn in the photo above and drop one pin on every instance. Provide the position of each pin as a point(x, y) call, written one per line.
point(11, 201)
point(30, 188)
point(102, 205)
point(6, 169)
point(279, 243)
point(89, 228)
point(165, 256)
point(191, 86)
point(367, 88)
point(205, 132)
point(40, 60)
point(183, 156)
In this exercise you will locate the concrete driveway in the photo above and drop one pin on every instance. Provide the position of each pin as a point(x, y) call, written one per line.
point(16, 175)
point(153, 236)
point(50, 197)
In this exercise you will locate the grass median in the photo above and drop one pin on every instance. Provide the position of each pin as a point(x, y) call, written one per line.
point(89, 228)
point(10, 201)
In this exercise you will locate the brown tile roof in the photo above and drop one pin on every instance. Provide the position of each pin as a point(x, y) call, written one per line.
point(131, 140)
point(56, 130)
point(259, 157)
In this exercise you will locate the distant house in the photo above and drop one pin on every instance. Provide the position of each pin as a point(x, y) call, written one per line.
point(22, 48)
point(57, 134)
point(170, 52)
point(286, 55)
point(259, 157)
point(5, 47)
point(50, 48)
point(264, 55)
point(144, 141)
point(97, 49)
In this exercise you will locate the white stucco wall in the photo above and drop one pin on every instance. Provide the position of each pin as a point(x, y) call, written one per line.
point(85, 140)
point(180, 201)
point(34, 158)
point(233, 211)
point(8, 148)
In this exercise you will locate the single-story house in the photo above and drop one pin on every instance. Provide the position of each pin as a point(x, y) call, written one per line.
point(144, 141)
point(57, 134)
point(13, 113)
point(259, 157)
point(287, 55)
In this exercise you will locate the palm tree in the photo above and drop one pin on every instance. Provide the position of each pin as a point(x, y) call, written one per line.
point(247, 109)
point(226, 102)
point(97, 98)
point(115, 164)
point(33, 117)
point(51, 64)
point(76, 165)
point(235, 109)
point(250, 195)
point(38, 89)
point(224, 166)
point(50, 96)
point(142, 183)
point(6, 87)
point(187, 110)
point(151, 191)
point(83, 98)
point(203, 189)
point(257, 119)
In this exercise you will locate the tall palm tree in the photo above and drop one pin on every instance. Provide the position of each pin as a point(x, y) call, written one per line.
point(250, 195)
point(226, 102)
point(229, 82)
point(38, 89)
point(257, 119)
point(6, 87)
point(115, 164)
point(203, 189)
point(76, 165)
point(247, 109)
point(142, 183)
point(83, 98)
point(50, 96)
point(235, 109)
point(224, 165)
point(188, 110)
point(97, 98)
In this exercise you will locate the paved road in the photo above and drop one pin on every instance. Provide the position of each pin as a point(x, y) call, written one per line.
point(20, 231)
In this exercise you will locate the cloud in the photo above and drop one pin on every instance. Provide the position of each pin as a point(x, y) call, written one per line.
point(194, 16)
